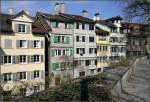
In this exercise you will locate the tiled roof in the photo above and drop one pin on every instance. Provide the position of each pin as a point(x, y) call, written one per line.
point(6, 26)
point(54, 17)
point(77, 18)
point(109, 24)
point(100, 31)
point(114, 18)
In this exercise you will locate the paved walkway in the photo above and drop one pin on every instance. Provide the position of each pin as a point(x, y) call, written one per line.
point(138, 87)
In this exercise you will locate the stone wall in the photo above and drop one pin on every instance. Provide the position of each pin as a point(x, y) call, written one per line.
point(118, 88)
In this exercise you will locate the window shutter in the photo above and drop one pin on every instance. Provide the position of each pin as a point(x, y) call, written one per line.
point(42, 72)
point(32, 58)
point(28, 29)
point(18, 43)
point(28, 59)
point(28, 43)
point(42, 58)
point(32, 44)
point(8, 43)
point(14, 59)
point(52, 52)
point(1, 60)
point(69, 26)
point(71, 52)
point(54, 66)
point(53, 24)
point(29, 75)
point(14, 76)
point(55, 39)
point(42, 44)
point(67, 40)
point(16, 28)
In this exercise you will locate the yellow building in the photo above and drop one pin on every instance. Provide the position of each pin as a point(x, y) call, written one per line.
point(22, 53)
point(103, 48)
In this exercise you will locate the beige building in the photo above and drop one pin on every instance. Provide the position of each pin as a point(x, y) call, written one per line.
point(22, 53)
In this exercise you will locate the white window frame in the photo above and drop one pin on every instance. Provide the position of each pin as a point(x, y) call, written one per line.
point(22, 44)
point(7, 60)
point(25, 75)
point(7, 76)
point(22, 28)
point(22, 59)
point(35, 59)
point(35, 74)
point(37, 44)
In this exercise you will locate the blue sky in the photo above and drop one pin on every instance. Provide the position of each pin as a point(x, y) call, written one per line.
point(107, 8)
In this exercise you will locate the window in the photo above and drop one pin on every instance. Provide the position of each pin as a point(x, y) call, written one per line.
point(7, 59)
point(8, 43)
point(83, 26)
point(82, 50)
point(90, 50)
point(77, 50)
point(64, 52)
point(91, 39)
point(55, 24)
point(22, 58)
point(23, 44)
point(87, 62)
point(37, 44)
point(95, 50)
point(59, 39)
point(36, 58)
point(63, 39)
point(95, 62)
point(22, 75)
point(77, 38)
point(77, 25)
point(68, 25)
point(21, 28)
point(91, 27)
point(36, 74)
point(59, 52)
point(7, 76)
point(83, 38)
point(36, 88)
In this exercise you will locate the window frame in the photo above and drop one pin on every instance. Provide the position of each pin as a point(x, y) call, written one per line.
point(36, 74)
point(21, 60)
point(21, 43)
point(21, 28)
point(8, 76)
point(21, 75)
point(7, 59)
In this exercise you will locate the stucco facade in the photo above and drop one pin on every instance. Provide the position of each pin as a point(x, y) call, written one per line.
point(18, 62)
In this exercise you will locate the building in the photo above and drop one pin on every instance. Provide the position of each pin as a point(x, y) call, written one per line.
point(61, 47)
point(84, 38)
point(22, 39)
point(117, 39)
point(137, 38)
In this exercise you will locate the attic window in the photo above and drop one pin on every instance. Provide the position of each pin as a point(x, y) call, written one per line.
point(21, 28)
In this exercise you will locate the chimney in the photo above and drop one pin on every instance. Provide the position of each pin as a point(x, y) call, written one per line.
point(61, 8)
point(96, 17)
point(56, 8)
point(10, 11)
point(84, 13)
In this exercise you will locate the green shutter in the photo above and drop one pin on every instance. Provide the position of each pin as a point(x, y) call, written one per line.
point(67, 39)
point(71, 52)
point(54, 66)
point(55, 39)
point(52, 52)
point(54, 25)
point(69, 26)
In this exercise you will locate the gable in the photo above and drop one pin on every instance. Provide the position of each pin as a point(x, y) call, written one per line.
point(23, 18)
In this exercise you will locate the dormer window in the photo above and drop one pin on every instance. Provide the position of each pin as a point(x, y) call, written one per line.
point(21, 28)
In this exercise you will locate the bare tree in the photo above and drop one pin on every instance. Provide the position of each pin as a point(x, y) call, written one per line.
point(137, 9)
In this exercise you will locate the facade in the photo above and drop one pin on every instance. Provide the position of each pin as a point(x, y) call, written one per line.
point(61, 47)
point(22, 54)
point(103, 48)
point(137, 38)
point(117, 39)
point(84, 38)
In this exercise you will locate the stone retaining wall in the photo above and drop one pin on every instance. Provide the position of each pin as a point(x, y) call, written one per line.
point(118, 88)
